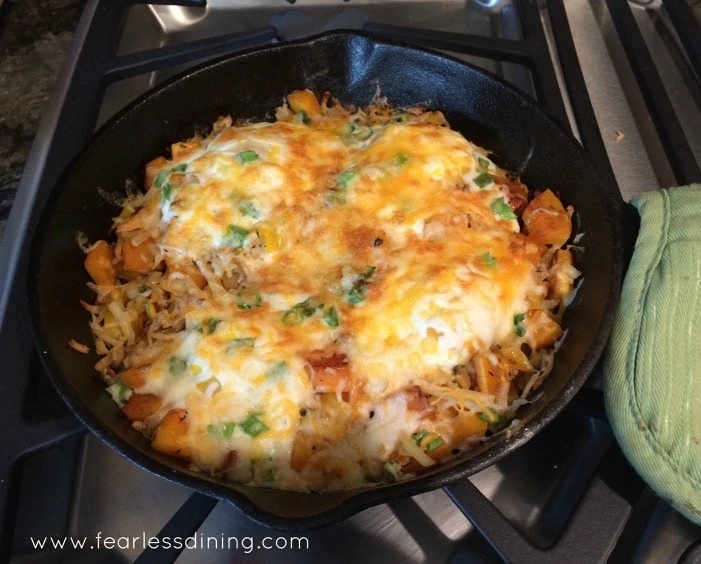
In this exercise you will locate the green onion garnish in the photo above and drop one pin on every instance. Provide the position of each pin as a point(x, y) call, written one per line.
point(346, 178)
point(368, 272)
point(247, 157)
point(309, 306)
point(292, 317)
point(179, 167)
point(176, 365)
point(402, 159)
point(482, 164)
point(119, 391)
point(161, 178)
point(502, 209)
point(434, 444)
point(228, 430)
point(298, 312)
point(249, 209)
point(304, 117)
point(356, 295)
point(489, 259)
point(278, 370)
point(355, 132)
point(167, 192)
point(400, 118)
point(219, 430)
point(419, 436)
point(240, 343)
point(210, 326)
point(236, 236)
point(483, 180)
point(248, 300)
point(253, 426)
point(519, 329)
point(331, 317)
point(491, 416)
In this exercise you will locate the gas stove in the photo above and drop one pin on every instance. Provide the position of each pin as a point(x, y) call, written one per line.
point(624, 77)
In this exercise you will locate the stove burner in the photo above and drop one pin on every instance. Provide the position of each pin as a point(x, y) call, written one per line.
point(576, 499)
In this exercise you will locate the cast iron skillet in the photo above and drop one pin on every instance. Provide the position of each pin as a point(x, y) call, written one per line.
point(250, 85)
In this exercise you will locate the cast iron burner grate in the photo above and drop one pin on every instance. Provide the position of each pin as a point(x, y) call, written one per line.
point(579, 521)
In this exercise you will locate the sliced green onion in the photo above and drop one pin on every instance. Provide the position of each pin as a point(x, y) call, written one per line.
point(179, 167)
point(482, 164)
point(489, 259)
point(278, 370)
point(167, 192)
point(119, 391)
point(304, 117)
point(253, 426)
point(368, 272)
point(355, 133)
point(346, 178)
point(492, 417)
point(219, 430)
point(483, 180)
point(337, 197)
point(236, 236)
point(210, 326)
point(400, 118)
point(248, 300)
point(292, 317)
point(502, 209)
point(401, 159)
point(298, 312)
point(331, 317)
point(249, 209)
point(519, 329)
point(228, 430)
point(434, 444)
point(247, 157)
point(392, 471)
point(176, 365)
point(356, 295)
point(419, 436)
point(309, 306)
point(161, 178)
point(240, 343)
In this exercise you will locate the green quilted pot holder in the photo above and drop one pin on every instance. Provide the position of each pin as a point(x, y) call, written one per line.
point(653, 364)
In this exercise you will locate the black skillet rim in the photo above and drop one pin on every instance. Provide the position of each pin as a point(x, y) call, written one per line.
point(360, 499)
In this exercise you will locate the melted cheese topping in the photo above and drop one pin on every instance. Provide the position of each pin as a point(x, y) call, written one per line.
point(349, 276)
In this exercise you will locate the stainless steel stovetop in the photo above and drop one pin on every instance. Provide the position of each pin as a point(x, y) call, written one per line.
point(116, 498)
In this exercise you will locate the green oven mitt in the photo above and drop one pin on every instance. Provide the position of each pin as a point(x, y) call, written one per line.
point(653, 363)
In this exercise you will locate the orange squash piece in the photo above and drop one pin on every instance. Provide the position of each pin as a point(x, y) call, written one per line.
point(189, 269)
point(486, 373)
point(99, 264)
point(134, 377)
point(546, 220)
point(170, 435)
point(152, 170)
point(304, 101)
point(140, 406)
point(543, 328)
point(138, 258)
